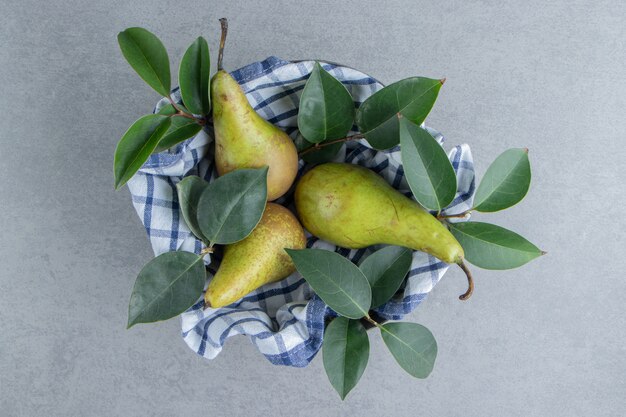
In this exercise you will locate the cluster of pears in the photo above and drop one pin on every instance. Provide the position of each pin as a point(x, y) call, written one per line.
point(344, 204)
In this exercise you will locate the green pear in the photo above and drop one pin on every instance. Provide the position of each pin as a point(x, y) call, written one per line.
point(243, 139)
point(258, 259)
point(353, 207)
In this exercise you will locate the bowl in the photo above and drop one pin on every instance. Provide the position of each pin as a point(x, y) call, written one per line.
point(284, 320)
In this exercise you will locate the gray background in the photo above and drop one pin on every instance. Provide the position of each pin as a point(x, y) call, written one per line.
point(543, 340)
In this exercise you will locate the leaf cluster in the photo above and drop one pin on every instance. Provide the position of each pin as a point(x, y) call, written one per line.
point(176, 122)
point(352, 291)
point(393, 116)
point(229, 208)
point(221, 212)
point(390, 117)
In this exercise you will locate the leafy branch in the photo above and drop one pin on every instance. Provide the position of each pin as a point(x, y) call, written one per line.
point(393, 116)
point(180, 112)
point(148, 57)
point(221, 212)
point(463, 215)
point(351, 292)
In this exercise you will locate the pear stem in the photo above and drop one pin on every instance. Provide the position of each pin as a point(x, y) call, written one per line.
point(470, 282)
point(220, 56)
point(319, 146)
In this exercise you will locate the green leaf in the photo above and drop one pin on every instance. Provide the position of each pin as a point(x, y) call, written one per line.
point(136, 145)
point(181, 129)
point(189, 191)
point(232, 205)
point(147, 55)
point(169, 110)
point(345, 352)
point(493, 247)
point(412, 345)
point(336, 280)
point(193, 77)
point(301, 143)
point(505, 183)
point(326, 154)
point(385, 270)
point(168, 285)
point(326, 108)
point(377, 117)
point(427, 167)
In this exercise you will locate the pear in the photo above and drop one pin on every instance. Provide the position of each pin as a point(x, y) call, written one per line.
point(258, 259)
point(243, 139)
point(353, 207)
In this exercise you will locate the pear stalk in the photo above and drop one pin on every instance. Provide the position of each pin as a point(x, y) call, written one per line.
point(470, 282)
point(220, 56)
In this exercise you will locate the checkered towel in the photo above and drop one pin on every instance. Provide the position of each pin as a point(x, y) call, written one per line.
point(284, 320)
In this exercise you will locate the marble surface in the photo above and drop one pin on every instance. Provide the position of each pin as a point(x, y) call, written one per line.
point(547, 339)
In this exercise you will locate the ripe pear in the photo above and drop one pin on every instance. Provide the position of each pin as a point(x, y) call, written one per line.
point(258, 259)
point(353, 207)
point(243, 139)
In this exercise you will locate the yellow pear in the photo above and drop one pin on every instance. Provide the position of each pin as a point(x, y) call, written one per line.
point(258, 259)
point(243, 139)
point(353, 207)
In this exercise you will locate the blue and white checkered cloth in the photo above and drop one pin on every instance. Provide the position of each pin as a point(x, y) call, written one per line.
point(284, 320)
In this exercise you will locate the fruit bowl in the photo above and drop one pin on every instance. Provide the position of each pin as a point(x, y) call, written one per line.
point(284, 320)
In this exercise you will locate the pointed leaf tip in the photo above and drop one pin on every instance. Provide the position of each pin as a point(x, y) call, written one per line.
point(442, 81)
point(505, 183)
point(189, 191)
point(412, 345)
point(493, 247)
point(335, 279)
point(326, 108)
point(428, 170)
point(136, 145)
point(385, 270)
point(193, 77)
point(147, 55)
point(377, 117)
point(231, 206)
point(166, 286)
point(345, 353)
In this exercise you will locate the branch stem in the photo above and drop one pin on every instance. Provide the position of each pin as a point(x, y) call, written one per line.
point(319, 146)
point(173, 103)
point(452, 216)
point(220, 56)
point(181, 113)
point(372, 321)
